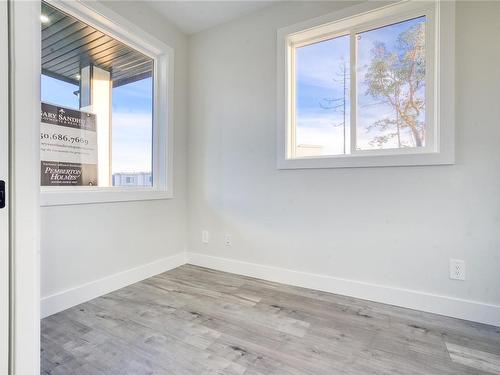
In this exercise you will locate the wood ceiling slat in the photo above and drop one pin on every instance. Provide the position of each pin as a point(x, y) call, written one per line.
point(69, 44)
point(61, 78)
point(137, 74)
point(129, 60)
point(72, 73)
point(133, 65)
point(82, 60)
point(76, 60)
point(109, 58)
point(116, 56)
point(54, 18)
point(136, 67)
point(73, 68)
point(123, 61)
point(74, 31)
point(77, 49)
point(126, 80)
point(55, 27)
point(48, 10)
point(52, 14)
point(78, 46)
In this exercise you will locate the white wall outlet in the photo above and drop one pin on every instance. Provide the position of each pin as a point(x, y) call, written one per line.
point(457, 269)
point(205, 236)
point(228, 240)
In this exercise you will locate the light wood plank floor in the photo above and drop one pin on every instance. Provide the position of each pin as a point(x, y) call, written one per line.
point(196, 321)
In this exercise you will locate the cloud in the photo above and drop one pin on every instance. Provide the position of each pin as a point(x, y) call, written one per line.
point(132, 142)
point(318, 64)
point(132, 120)
point(320, 131)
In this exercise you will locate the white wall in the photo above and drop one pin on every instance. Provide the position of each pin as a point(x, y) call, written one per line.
point(83, 243)
point(396, 226)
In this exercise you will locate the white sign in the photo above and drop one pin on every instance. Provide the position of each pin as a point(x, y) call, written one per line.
point(68, 147)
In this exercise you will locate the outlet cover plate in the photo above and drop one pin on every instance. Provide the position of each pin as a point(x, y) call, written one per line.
point(457, 269)
point(205, 236)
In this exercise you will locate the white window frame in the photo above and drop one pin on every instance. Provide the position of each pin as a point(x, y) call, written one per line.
point(440, 70)
point(112, 24)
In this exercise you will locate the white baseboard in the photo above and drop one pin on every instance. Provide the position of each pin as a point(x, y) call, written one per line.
point(82, 293)
point(433, 303)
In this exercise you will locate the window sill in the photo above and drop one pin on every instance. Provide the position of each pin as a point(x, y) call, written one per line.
point(366, 161)
point(83, 195)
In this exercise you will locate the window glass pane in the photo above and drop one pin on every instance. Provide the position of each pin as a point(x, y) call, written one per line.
point(97, 106)
point(322, 98)
point(391, 86)
point(59, 92)
point(133, 132)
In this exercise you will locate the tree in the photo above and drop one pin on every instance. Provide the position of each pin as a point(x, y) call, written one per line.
point(398, 79)
point(339, 104)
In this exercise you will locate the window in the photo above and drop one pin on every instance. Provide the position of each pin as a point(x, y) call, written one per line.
point(106, 111)
point(369, 86)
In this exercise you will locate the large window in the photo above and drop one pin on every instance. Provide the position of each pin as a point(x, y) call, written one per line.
point(106, 108)
point(364, 90)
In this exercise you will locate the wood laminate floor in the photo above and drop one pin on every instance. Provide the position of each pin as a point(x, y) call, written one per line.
point(196, 321)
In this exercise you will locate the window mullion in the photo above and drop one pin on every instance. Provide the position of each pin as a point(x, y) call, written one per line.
point(353, 101)
point(291, 99)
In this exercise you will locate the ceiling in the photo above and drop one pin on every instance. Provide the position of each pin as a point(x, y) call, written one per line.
point(68, 45)
point(194, 16)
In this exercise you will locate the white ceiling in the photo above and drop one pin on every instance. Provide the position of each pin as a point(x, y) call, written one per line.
point(194, 16)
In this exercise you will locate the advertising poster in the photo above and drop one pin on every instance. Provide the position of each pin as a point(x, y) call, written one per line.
point(68, 147)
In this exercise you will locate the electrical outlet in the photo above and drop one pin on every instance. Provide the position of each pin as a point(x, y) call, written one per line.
point(227, 240)
point(204, 236)
point(457, 269)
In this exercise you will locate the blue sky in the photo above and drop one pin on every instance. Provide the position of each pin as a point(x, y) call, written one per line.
point(317, 75)
point(132, 120)
point(133, 127)
point(318, 78)
point(58, 92)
